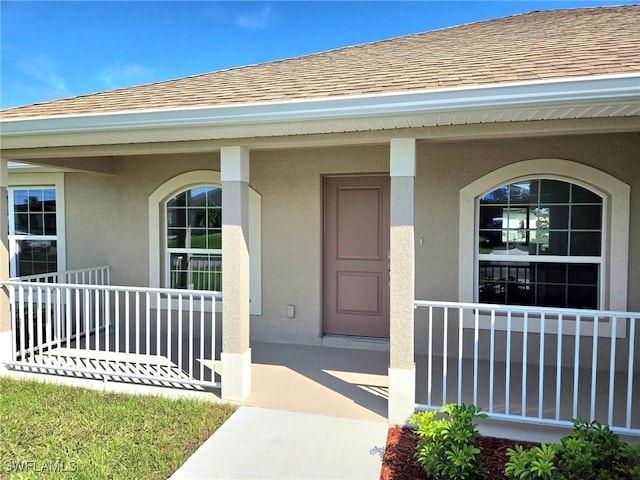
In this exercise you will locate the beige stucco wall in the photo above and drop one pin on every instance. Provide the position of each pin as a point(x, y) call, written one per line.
point(107, 216)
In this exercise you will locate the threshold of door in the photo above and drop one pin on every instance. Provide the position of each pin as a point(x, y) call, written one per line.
point(358, 343)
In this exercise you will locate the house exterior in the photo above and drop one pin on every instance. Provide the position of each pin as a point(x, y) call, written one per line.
point(495, 162)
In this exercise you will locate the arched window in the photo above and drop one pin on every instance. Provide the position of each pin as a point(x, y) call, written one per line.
point(540, 242)
point(194, 239)
point(185, 235)
point(545, 232)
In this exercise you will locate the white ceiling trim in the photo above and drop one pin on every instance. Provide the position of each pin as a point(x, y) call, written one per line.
point(582, 97)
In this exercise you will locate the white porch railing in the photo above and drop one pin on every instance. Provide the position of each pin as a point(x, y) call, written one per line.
point(83, 276)
point(114, 332)
point(531, 364)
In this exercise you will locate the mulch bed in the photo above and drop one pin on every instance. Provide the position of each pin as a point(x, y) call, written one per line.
point(398, 461)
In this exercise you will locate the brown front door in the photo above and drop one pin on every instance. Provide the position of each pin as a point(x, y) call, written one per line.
point(356, 255)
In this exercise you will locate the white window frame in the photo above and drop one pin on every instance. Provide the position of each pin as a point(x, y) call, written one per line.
point(187, 251)
point(615, 233)
point(157, 230)
point(548, 259)
point(22, 181)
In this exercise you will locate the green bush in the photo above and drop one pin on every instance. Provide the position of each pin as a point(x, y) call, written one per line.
point(446, 449)
point(591, 452)
point(536, 462)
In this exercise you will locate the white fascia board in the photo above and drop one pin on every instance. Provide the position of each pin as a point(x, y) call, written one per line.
point(545, 93)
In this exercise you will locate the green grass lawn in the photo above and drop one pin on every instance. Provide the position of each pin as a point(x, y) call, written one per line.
point(47, 428)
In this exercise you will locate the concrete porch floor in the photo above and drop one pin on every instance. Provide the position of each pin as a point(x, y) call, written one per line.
point(326, 380)
point(342, 382)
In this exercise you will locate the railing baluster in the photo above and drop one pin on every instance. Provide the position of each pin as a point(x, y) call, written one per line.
point(23, 332)
point(158, 322)
point(445, 353)
point(96, 313)
point(59, 325)
point(576, 367)
point(78, 314)
point(541, 366)
point(127, 320)
point(559, 365)
point(460, 355)
point(107, 320)
point(180, 339)
point(492, 347)
point(190, 337)
point(116, 313)
point(594, 368)
point(202, 355)
point(14, 322)
point(138, 323)
point(169, 319)
point(30, 322)
point(507, 374)
point(476, 354)
point(612, 369)
point(632, 341)
point(68, 316)
point(49, 322)
point(525, 357)
point(430, 360)
point(147, 316)
point(87, 317)
point(213, 337)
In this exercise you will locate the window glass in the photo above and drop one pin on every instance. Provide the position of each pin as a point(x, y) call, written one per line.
point(527, 227)
point(194, 239)
point(33, 231)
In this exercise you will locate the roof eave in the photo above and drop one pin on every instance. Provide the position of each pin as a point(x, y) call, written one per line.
point(611, 95)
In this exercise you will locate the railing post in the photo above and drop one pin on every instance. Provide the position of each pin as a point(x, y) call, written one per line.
point(402, 372)
point(236, 354)
point(6, 333)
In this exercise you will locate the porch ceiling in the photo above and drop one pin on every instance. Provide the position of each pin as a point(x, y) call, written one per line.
point(579, 98)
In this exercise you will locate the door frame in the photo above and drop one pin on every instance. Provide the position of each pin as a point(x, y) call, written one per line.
point(323, 221)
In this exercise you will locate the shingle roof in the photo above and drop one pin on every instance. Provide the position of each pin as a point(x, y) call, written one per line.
point(532, 46)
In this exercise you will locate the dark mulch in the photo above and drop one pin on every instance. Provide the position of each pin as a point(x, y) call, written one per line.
point(398, 462)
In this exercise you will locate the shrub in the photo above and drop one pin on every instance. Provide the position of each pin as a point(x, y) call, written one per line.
point(446, 448)
point(591, 452)
point(536, 462)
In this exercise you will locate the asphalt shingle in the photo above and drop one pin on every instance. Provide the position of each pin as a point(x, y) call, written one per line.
point(533, 46)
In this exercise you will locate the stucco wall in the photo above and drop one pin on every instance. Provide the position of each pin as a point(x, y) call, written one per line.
point(291, 189)
point(107, 216)
point(444, 168)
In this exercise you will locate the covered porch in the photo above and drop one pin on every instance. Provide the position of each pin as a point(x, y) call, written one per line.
point(81, 329)
point(198, 340)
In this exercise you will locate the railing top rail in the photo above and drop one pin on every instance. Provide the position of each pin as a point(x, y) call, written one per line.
point(171, 291)
point(63, 272)
point(527, 309)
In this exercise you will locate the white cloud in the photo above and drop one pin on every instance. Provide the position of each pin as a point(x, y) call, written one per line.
point(119, 75)
point(256, 20)
point(43, 69)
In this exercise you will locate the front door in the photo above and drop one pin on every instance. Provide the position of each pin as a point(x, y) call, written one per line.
point(356, 255)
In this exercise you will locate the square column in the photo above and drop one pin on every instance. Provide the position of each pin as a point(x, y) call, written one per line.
point(402, 373)
point(6, 333)
point(236, 353)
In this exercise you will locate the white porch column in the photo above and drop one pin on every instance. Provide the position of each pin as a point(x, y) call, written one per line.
point(236, 353)
point(402, 373)
point(5, 317)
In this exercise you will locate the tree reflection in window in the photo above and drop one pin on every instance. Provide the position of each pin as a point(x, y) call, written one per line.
point(194, 239)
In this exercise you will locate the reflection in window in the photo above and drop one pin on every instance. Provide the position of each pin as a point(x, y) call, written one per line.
point(32, 231)
point(194, 239)
point(540, 243)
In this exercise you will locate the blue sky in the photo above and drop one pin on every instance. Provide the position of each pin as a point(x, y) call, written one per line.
point(56, 49)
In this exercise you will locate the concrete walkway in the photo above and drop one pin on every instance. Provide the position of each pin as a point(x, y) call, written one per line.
point(260, 444)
